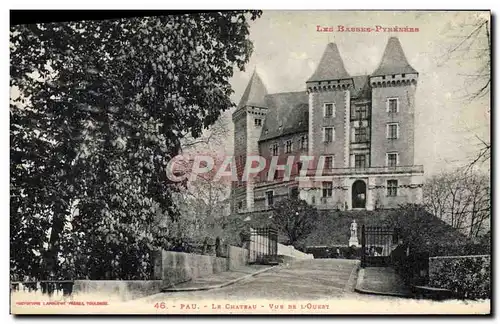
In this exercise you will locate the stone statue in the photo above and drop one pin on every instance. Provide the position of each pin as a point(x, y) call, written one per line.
point(353, 240)
point(354, 229)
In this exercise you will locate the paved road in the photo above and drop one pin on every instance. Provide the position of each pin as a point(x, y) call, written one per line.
point(306, 280)
point(321, 286)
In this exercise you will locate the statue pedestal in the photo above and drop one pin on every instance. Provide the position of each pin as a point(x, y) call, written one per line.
point(353, 241)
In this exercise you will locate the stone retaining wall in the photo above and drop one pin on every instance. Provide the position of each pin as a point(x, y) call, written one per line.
point(122, 289)
point(237, 257)
point(177, 267)
point(290, 251)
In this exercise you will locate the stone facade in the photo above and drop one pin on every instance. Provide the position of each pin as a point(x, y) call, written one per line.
point(359, 130)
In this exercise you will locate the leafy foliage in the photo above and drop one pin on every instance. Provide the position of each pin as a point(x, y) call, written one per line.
point(295, 218)
point(345, 252)
point(420, 229)
point(467, 277)
point(460, 249)
point(98, 110)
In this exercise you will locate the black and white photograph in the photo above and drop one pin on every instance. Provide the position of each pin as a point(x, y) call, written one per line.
point(277, 162)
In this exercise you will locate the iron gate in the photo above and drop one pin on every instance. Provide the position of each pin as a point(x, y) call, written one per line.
point(263, 245)
point(377, 243)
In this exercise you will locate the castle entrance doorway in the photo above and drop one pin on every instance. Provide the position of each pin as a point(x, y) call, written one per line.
point(359, 194)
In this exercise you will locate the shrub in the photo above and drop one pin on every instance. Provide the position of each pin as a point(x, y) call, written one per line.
point(459, 249)
point(469, 277)
point(346, 252)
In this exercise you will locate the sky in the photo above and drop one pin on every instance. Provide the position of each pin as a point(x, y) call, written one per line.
point(287, 48)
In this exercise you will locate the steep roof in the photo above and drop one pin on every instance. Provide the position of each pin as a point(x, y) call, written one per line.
point(331, 66)
point(254, 93)
point(361, 87)
point(287, 113)
point(394, 60)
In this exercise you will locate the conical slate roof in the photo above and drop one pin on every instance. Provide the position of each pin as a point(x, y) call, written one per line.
point(255, 93)
point(394, 60)
point(331, 66)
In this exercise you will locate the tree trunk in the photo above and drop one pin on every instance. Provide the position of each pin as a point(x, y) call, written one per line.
point(51, 263)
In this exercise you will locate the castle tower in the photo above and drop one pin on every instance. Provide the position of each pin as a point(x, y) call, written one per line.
point(248, 120)
point(393, 84)
point(329, 109)
point(329, 101)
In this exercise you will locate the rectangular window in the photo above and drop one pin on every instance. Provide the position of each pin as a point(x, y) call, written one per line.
point(275, 149)
point(360, 112)
point(327, 189)
point(360, 134)
point(258, 122)
point(392, 105)
point(294, 192)
point(329, 110)
point(328, 134)
point(288, 146)
point(328, 162)
point(303, 142)
point(392, 188)
point(359, 161)
point(393, 131)
point(242, 162)
point(299, 166)
point(392, 159)
point(269, 198)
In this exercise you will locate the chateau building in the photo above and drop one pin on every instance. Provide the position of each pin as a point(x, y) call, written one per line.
point(358, 129)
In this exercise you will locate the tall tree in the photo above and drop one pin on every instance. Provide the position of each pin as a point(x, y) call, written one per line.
point(102, 108)
point(461, 198)
point(473, 44)
point(294, 218)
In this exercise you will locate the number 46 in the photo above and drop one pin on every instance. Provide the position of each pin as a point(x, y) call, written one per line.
point(160, 305)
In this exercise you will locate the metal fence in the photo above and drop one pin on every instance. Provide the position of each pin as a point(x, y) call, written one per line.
point(263, 246)
point(377, 243)
point(46, 287)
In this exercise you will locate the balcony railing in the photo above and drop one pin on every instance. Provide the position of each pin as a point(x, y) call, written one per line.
point(370, 170)
point(342, 171)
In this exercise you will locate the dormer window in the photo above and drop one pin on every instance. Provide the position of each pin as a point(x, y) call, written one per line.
point(288, 146)
point(275, 149)
point(303, 142)
point(258, 122)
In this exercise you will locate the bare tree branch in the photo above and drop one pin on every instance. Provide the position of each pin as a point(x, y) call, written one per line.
point(460, 198)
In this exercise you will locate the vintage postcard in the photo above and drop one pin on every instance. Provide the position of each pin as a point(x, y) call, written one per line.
point(251, 162)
